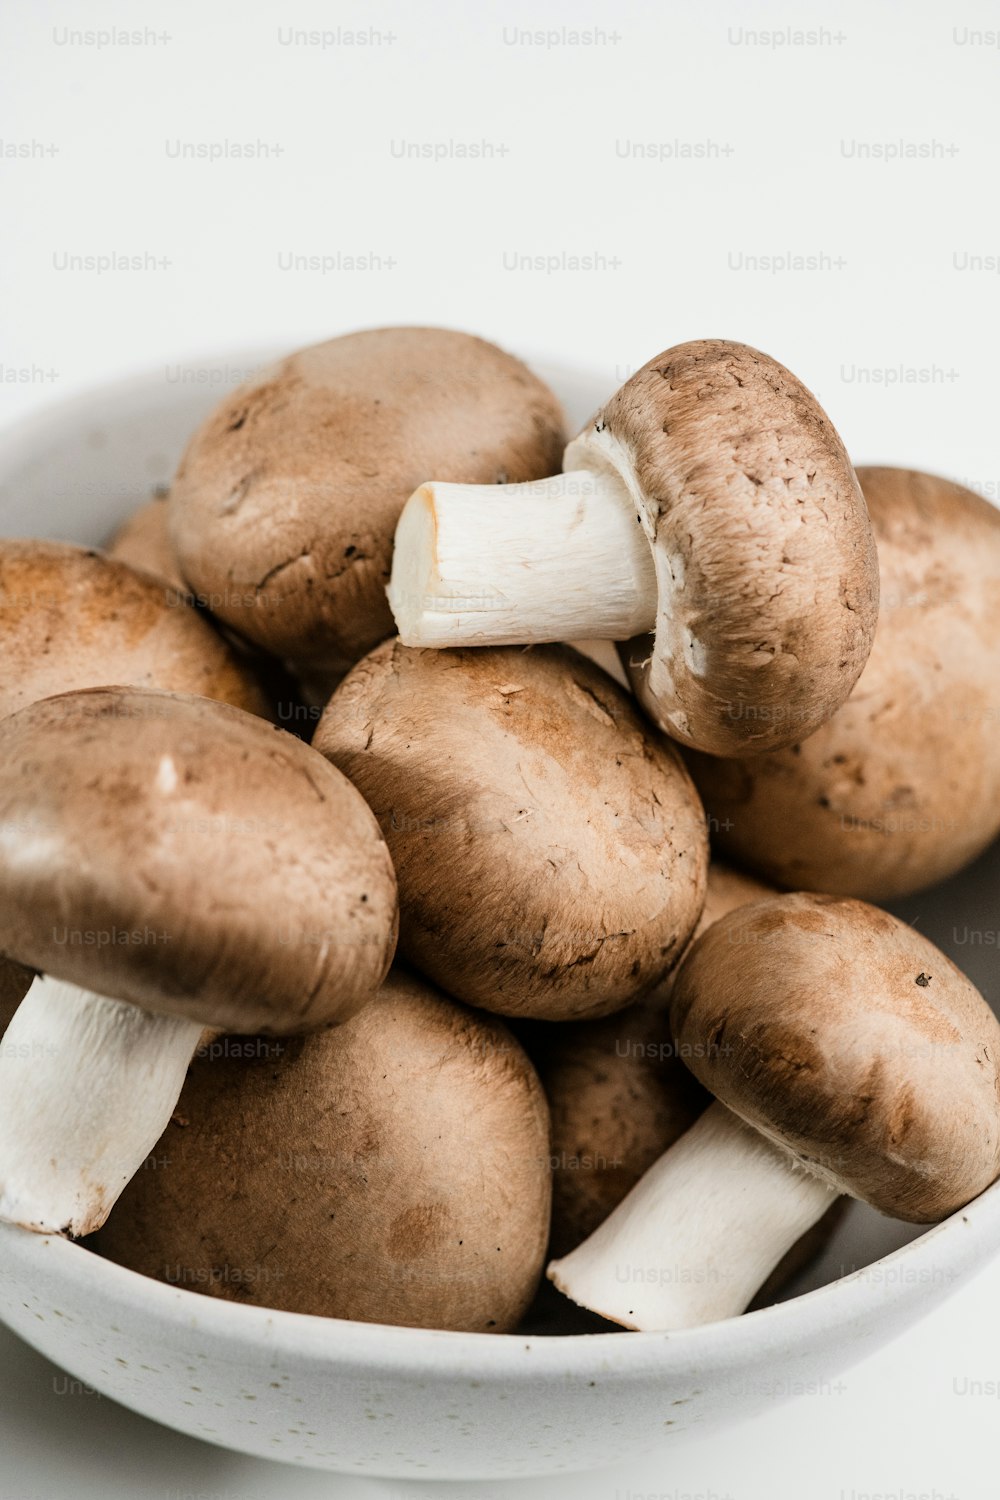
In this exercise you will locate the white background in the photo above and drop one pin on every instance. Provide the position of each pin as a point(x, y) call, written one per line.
point(754, 153)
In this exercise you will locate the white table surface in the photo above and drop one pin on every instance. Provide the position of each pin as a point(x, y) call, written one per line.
point(869, 149)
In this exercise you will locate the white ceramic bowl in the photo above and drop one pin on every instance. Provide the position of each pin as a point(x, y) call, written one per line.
point(404, 1402)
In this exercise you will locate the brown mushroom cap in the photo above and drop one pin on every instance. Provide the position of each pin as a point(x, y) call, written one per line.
point(394, 1170)
point(846, 1037)
point(619, 1092)
point(189, 858)
point(144, 543)
point(549, 847)
point(765, 562)
point(74, 618)
point(285, 504)
point(902, 786)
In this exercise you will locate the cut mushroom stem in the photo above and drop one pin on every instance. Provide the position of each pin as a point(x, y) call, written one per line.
point(520, 564)
point(99, 1077)
point(699, 1233)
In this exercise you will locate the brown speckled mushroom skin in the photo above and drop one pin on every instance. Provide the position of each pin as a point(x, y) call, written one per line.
point(550, 850)
point(394, 1170)
point(125, 813)
point(766, 618)
point(287, 498)
point(143, 541)
point(618, 1092)
point(74, 618)
point(901, 787)
point(878, 1069)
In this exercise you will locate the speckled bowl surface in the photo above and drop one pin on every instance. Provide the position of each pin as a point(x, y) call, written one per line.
point(377, 1400)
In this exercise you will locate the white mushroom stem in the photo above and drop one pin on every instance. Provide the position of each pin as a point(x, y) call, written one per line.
point(87, 1087)
point(700, 1233)
point(516, 564)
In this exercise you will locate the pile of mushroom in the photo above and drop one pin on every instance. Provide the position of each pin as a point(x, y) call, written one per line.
point(594, 1043)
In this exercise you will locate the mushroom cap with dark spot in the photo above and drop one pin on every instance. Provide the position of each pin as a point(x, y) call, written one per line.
point(548, 844)
point(843, 1035)
point(285, 505)
point(901, 787)
point(190, 858)
point(765, 562)
point(74, 618)
point(393, 1170)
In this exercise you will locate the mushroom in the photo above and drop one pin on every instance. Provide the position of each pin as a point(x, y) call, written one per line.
point(76, 618)
point(711, 503)
point(144, 543)
point(901, 787)
point(549, 847)
point(394, 1170)
point(283, 510)
point(619, 1091)
point(847, 1055)
point(170, 864)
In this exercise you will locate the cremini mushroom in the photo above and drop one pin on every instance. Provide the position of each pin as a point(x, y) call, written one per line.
point(619, 1091)
point(169, 864)
point(283, 510)
point(901, 787)
point(710, 512)
point(394, 1170)
point(847, 1055)
point(548, 844)
point(143, 541)
point(75, 618)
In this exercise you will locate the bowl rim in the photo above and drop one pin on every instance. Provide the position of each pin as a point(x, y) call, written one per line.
point(902, 1273)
